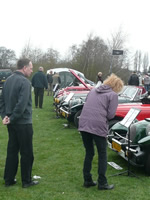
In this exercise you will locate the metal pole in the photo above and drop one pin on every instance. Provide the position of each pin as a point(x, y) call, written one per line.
point(110, 71)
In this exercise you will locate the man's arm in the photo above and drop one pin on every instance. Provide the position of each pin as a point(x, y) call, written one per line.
point(2, 105)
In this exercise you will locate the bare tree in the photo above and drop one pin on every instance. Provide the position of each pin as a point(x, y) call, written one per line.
point(35, 55)
point(52, 56)
point(26, 51)
point(136, 61)
point(118, 41)
point(140, 61)
point(145, 62)
point(90, 57)
point(7, 58)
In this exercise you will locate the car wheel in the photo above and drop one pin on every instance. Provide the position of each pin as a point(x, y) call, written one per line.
point(76, 118)
point(112, 122)
point(147, 165)
point(70, 118)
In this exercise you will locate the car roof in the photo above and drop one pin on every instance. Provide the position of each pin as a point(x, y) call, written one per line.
point(57, 70)
point(6, 70)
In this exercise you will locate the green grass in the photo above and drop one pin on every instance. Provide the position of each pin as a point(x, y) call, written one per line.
point(59, 155)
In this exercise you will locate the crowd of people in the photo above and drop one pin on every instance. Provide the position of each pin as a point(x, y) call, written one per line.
point(134, 79)
point(16, 113)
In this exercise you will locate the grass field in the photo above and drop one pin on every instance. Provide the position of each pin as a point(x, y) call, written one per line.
point(59, 155)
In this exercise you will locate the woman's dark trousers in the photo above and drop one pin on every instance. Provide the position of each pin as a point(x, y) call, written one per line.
point(101, 144)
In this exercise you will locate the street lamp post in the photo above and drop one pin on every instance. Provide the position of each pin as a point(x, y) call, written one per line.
point(115, 53)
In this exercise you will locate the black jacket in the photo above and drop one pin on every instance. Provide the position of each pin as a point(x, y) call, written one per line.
point(15, 99)
point(39, 80)
point(49, 78)
point(133, 80)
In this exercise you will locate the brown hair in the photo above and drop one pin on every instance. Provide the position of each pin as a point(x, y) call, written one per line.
point(114, 82)
point(23, 62)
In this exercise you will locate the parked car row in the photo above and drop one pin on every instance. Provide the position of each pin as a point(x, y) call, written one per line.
point(70, 101)
point(75, 93)
point(131, 96)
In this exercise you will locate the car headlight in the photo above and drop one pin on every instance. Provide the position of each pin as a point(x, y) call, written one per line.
point(56, 100)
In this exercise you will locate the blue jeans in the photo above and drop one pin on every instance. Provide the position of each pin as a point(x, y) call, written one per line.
point(101, 144)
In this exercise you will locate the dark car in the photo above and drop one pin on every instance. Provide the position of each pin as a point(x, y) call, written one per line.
point(80, 91)
point(4, 74)
point(130, 94)
point(136, 148)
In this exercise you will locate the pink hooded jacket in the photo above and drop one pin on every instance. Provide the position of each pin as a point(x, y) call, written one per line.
point(100, 106)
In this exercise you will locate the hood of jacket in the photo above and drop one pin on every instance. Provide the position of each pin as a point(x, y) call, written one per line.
point(103, 89)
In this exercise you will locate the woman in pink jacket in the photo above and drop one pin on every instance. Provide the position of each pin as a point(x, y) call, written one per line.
point(100, 106)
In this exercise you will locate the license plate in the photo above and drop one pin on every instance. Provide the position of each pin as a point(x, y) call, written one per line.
point(63, 114)
point(116, 146)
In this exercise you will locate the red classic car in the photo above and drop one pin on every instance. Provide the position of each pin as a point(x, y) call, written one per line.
point(123, 109)
point(78, 84)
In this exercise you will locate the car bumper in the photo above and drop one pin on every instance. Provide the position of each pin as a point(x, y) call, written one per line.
point(132, 153)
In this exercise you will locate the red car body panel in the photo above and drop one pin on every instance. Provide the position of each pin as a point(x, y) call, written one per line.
point(75, 89)
point(123, 109)
point(79, 79)
point(142, 88)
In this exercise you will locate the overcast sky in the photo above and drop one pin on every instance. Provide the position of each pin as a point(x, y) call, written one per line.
point(58, 24)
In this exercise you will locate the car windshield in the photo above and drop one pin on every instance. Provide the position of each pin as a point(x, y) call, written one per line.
point(129, 92)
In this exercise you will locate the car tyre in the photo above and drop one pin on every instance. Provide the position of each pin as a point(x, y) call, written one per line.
point(147, 165)
point(70, 118)
point(76, 118)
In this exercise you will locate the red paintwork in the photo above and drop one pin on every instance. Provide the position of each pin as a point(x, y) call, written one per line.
point(142, 88)
point(66, 92)
point(79, 78)
point(123, 109)
point(75, 89)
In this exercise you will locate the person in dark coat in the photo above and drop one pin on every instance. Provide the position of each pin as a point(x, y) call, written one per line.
point(134, 79)
point(100, 106)
point(39, 82)
point(16, 113)
point(99, 79)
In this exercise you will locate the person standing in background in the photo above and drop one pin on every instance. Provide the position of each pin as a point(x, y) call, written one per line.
point(39, 82)
point(50, 81)
point(99, 79)
point(134, 79)
point(146, 82)
point(16, 113)
point(56, 81)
